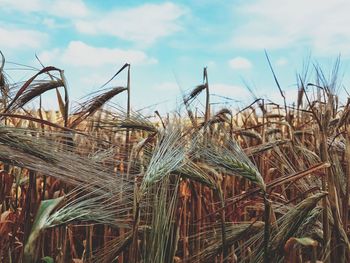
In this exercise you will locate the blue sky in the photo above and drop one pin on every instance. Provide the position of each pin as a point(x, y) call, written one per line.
point(169, 43)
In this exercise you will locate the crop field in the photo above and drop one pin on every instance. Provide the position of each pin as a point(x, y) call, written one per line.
point(93, 182)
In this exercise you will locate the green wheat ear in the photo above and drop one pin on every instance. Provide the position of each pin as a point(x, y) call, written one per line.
point(167, 156)
point(247, 171)
point(232, 158)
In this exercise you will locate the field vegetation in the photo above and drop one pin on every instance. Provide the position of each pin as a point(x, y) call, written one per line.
point(93, 182)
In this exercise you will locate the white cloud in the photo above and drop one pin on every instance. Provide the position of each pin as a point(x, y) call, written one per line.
point(20, 5)
point(69, 8)
point(49, 22)
point(240, 63)
point(143, 24)
point(211, 64)
point(235, 92)
point(14, 38)
point(48, 57)
point(58, 8)
point(98, 78)
point(275, 95)
point(281, 61)
point(319, 25)
point(81, 54)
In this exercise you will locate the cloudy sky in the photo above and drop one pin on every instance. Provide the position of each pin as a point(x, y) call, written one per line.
point(169, 43)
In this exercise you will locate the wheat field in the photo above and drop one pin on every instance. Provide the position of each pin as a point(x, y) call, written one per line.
point(93, 182)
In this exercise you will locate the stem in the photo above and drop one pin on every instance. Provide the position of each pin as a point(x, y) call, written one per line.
point(127, 137)
point(207, 108)
point(223, 228)
point(27, 213)
point(325, 220)
point(44, 188)
point(266, 229)
point(134, 246)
